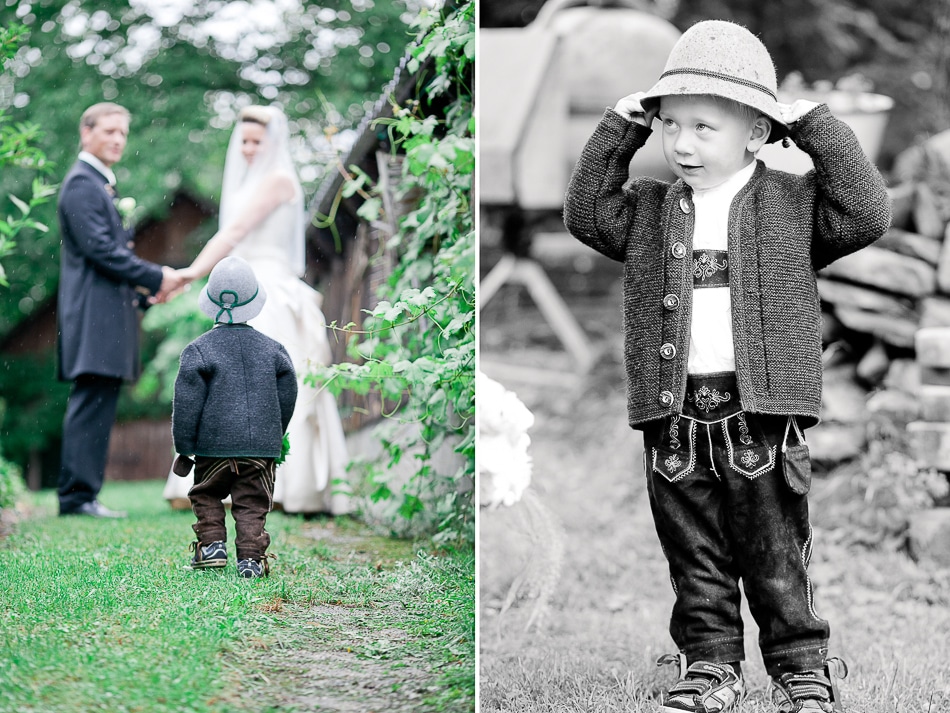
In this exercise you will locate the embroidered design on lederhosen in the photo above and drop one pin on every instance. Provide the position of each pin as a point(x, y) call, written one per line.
point(749, 452)
point(674, 455)
point(707, 399)
point(711, 397)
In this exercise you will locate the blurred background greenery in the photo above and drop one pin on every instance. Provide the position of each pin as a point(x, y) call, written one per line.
point(183, 69)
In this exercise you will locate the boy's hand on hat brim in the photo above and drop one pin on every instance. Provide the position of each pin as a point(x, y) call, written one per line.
point(631, 109)
point(796, 110)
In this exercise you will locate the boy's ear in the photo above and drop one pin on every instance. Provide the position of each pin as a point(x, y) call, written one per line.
point(761, 129)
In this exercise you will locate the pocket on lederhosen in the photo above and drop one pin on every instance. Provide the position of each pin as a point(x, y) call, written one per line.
point(674, 450)
point(796, 460)
point(749, 452)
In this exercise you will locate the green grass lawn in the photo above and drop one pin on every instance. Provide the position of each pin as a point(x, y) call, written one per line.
point(100, 615)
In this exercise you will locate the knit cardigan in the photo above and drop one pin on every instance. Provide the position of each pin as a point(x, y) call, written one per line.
point(782, 229)
point(234, 395)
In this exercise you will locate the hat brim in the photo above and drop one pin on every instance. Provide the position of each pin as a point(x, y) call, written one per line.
point(243, 313)
point(689, 84)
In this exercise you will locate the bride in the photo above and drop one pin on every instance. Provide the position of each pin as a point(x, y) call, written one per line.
point(262, 221)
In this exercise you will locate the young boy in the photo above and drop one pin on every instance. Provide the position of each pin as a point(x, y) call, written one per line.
point(722, 346)
point(234, 397)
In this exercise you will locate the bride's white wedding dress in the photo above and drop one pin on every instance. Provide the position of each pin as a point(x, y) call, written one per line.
point(313, 478)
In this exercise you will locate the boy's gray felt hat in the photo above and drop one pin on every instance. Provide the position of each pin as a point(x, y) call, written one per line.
point(726, 60)
point(232, 294)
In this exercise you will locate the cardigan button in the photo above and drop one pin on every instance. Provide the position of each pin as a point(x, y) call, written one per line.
point(678, 250)
point(671, 302)
point(684, 205)
point(667, 351)
point(666, 399)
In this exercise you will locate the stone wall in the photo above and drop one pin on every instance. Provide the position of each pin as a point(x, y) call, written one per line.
point(877, 299)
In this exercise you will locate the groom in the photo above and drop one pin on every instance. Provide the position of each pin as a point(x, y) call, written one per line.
point(102, 284)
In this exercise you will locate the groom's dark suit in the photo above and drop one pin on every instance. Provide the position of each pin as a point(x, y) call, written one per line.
point(98, 325)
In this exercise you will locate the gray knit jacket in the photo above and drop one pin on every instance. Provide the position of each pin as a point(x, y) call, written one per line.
point(782, 228)
point(234, 395)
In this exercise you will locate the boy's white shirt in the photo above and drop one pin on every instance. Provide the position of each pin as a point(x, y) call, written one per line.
point(711, 348)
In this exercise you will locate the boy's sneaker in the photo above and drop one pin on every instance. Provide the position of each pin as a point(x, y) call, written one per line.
point(253, 568)
point(810, 691)
point(704, 687)
point(214, 554)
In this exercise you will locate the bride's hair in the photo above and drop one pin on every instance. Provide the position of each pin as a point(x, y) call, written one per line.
point(256, 114)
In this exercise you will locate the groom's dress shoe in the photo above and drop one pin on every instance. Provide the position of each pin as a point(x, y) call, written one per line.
point(95, 509)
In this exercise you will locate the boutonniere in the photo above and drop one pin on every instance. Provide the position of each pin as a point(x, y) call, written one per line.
point(126, 208)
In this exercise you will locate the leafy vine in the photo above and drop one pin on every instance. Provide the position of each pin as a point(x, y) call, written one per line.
point(417, 345)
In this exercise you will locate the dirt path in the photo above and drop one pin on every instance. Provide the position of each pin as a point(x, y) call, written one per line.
point(364, 653)
point(341, 658)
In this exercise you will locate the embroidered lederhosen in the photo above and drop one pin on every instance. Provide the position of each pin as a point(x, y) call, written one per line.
point(723, 513)
point(713, 400)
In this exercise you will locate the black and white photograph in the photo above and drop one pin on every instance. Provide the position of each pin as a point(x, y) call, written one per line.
point(714, 347)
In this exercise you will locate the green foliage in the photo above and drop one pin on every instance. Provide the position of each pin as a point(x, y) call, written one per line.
point(183, 84)
point(13, 224)
point(183, 70)
point(284, 450)
point(35, 403)
point(18, 148)
point(11, 484)
point(417, 347)
point(174, 325)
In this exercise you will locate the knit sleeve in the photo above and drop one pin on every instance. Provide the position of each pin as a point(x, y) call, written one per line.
point(598, 211)
point(191, 390)
point(286, 387)
point(852, 206)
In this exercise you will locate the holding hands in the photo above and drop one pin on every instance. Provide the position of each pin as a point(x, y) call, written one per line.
point(173, 282)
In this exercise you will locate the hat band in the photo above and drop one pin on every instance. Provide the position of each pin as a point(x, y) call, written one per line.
point(725, 77)
point(228, 306)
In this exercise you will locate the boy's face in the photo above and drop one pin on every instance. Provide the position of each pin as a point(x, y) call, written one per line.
point(705, 141)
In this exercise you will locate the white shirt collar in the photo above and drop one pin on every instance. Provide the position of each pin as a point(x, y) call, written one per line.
point(98, 165)
point(730, 187)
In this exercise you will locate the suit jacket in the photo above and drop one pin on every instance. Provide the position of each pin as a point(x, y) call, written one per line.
point(97, 312)
point(234, 395)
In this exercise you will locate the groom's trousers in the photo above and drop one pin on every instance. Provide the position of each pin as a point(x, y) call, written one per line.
point(90, 415)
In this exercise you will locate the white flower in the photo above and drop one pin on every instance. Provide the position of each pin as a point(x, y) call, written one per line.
point(126, 208)
point(504, 465)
